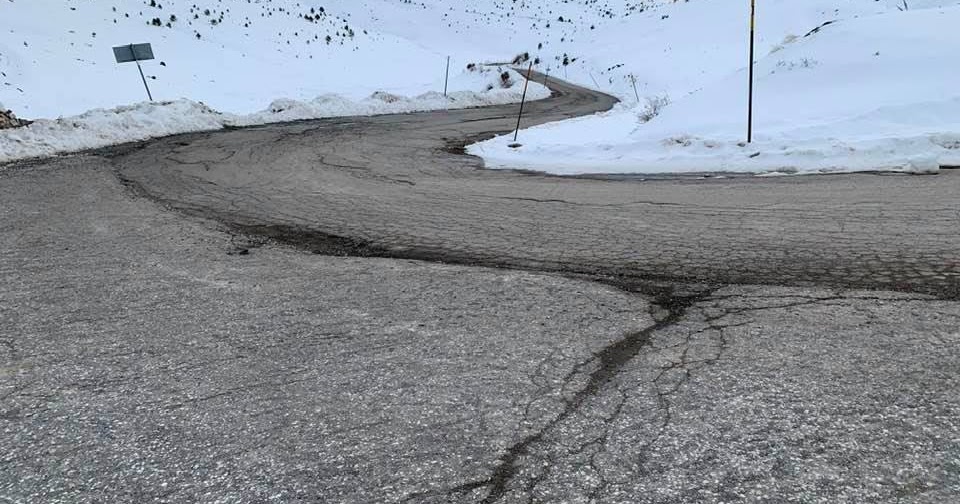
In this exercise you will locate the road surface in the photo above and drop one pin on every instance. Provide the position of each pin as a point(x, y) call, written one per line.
point(391, 185)
point(203, 318)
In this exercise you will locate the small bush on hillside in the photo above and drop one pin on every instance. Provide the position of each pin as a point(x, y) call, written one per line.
point(521, 58)
point(653, 107)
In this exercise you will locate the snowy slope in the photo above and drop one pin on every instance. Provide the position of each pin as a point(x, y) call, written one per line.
point(223, 63)
point(236, 56)
point(873, 90)
point(56, 57)
point(824, 101)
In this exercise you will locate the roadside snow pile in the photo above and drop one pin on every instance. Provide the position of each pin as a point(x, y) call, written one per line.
point(103, 127)
point(492, 91)
point(872, 92)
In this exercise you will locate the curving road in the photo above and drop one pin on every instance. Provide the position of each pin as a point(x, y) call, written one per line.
point(397, 186)
point(150, 357)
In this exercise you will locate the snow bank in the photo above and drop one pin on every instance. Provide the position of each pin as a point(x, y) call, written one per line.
point(491, 92)
point(873, 93)
point(103, 127)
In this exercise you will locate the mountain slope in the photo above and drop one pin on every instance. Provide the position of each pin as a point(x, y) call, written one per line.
point(870, 88)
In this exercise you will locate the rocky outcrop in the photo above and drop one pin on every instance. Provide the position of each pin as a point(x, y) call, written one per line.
point(9, 120)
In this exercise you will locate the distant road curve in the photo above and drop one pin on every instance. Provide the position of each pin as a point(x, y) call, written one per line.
point(400, 186)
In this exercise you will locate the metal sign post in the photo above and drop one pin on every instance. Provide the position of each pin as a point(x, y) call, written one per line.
point(753, 13)
point(135, 53)
point(446, 79)
point(523, 100)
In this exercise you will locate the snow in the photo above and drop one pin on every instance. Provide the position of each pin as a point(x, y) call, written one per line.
point(57, 60)
point(874, 91)
point(253, 62)
point(103, 127)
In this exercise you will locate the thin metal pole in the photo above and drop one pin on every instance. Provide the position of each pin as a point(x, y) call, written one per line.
point(523, 100)
point(753, 13)
point(635, 93)
point(446, 79)
point(150, 96)
point(595, 83)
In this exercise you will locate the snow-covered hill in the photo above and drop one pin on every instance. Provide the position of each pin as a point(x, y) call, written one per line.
point(219, 63)
point(235, 56)
point(841, 86)
point(877, 80)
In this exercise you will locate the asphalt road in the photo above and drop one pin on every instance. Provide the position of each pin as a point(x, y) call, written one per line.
point(392, 185)
point(176, 326)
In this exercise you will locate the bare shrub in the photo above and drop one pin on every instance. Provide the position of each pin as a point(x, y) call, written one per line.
point(521, 58)
point(653, 107)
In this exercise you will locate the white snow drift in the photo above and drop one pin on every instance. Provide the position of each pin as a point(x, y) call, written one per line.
point(875, 91)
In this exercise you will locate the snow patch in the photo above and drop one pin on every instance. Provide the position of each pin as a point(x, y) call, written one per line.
point(103, 127)
point(872, 93)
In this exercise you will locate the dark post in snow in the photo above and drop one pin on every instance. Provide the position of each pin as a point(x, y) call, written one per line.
point(523, 100)
point(753, 13)
point(446, 80)
point(144, 79)
point(136, 53)
point(635, 93)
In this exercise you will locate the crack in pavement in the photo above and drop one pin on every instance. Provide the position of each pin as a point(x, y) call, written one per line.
point(611, 360)
point(669, 379)
point(855, 257)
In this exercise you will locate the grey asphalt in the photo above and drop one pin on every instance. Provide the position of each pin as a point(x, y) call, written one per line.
point(396, 185)
point(176, 326)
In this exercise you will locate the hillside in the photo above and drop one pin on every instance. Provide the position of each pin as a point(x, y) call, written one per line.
point(56, 58)
point(844, 66)
point(862, 86)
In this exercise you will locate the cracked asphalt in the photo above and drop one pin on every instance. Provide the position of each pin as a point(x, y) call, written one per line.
point(398, 185)
point(353, 311)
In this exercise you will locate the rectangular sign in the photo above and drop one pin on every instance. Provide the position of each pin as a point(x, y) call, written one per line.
point(133, 52)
